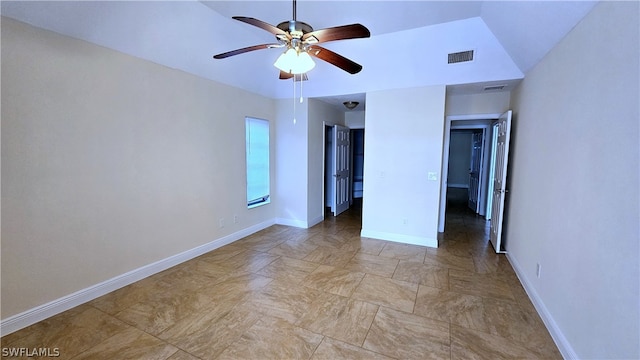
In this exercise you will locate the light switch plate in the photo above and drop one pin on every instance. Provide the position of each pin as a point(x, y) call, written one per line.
point(432, 176)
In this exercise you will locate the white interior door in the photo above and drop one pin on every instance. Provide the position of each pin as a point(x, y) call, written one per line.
point(492, 170)
point(499, 180)
point(475, 170)
point(341, 168)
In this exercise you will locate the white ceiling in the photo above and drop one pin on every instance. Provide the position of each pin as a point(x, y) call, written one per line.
point(408, 47)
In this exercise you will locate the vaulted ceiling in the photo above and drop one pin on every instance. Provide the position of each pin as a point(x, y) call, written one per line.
point(408, 46)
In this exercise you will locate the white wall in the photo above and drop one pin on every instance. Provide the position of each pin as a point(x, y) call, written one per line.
point(403, 142)
point(292, 162)
point(354, 119)
point(470, 111)
point(111, 163)
point(574, 181)
point(486, 103)
point(319, 114)
point(300, 160)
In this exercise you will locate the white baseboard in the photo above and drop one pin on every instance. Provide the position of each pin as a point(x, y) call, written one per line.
point(291, 222)
point(315, 221)
point(561, 341)
point(400, 238)
point(39, 313)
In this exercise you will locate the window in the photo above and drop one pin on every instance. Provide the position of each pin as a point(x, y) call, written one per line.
point(257, 138)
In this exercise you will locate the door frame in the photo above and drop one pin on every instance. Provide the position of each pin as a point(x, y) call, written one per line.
point(342, 187)
point(326, 166)
point(492, 163)
point(325, 172)
point(445, 154)
point(480, 195)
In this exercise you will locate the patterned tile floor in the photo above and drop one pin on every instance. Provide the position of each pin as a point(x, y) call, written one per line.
point(318, 293)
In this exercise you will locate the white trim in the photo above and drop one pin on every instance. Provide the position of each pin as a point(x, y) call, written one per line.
point(490, 116)
point(556, 334)
point(39, 313)
point(292, 222)
point(472, 127)
point(459, 186)
point(400, 238)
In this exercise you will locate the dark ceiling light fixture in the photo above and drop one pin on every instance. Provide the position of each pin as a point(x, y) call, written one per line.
point(350, 104)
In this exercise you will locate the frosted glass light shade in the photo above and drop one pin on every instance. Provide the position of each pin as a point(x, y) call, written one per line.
point(294, 62)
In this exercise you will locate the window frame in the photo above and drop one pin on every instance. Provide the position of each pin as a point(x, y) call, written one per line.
point(263, 198)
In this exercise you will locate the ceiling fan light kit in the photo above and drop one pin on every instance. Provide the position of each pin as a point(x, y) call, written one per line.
point(295, 62)
point(301, 42)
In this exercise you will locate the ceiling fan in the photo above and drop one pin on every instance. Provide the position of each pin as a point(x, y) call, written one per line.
point(301, 43)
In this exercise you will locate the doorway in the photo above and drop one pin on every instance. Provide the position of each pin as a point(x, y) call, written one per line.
point(479, 124)
point(495, 152)
point(338, 165)
point(328, 168)
point(466, 167)
point(357, 151)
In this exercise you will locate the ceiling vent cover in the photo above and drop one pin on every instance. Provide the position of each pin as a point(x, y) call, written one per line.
point(462, 56)
point(494, 87)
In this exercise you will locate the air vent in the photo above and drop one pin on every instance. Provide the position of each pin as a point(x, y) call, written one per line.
point(494, 87)
point(462, 56)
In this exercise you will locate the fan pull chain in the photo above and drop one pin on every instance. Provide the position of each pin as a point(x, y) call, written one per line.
point(294, 100)
point(301, 82)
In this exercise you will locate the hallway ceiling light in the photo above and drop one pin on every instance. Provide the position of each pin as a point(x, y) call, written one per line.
point(351, 104)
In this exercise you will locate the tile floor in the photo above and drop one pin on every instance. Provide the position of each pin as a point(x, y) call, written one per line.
point(319, 293)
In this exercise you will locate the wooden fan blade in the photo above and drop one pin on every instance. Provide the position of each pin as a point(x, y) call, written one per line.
point(285, 75)
point(298, 77)
point(352, 31)
point(244, 50)
point(264, 26)
point(335, 59)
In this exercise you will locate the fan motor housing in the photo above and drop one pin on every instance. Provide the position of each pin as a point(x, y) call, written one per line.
point(295, 28)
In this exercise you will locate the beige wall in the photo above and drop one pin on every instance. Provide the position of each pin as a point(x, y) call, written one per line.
point(574, 181)
point(488, 103)
point(354, 119)
point(292, 147)
point(110, 163)
point(320, 113)
point(403, 143)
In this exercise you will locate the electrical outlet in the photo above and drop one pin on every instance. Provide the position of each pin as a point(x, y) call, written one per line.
point(235, 219)
point(538, 269)
point(405, 221)
point(221, 223)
